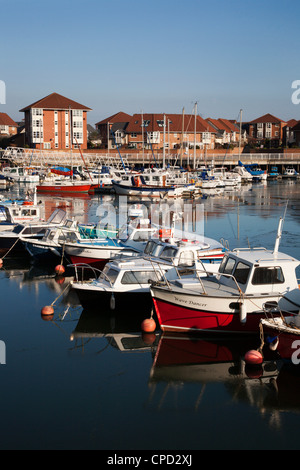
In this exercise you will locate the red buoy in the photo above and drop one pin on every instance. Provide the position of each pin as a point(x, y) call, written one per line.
point(1, 263)
point(253, 357)
point(60, 269)
point(148, 325)
point(47, 310)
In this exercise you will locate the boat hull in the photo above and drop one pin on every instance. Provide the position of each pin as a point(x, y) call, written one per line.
point(178, 312)
point(63, 188)
point(149, 191)
point(285, 339)
point(43, 252)
point(12, 245)
point(100, 300)
point(95, 257)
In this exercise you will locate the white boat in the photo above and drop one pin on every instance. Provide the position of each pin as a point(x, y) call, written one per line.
point(10, 240)
point(14, 211)
point(52, 244)
point(233, 300)
point(246, 177)
point(226, 178)
point(127, 279)
point(21, 175)
point(290, 173)
point(148, 184)
point(132, 236)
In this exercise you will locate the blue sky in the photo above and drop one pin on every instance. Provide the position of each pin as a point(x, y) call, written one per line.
point(152, 56)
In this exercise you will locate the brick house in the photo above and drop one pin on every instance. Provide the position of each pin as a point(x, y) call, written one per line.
point(180, 130)
point(296, 134)
point(267, 127)
point(288, 133)
point(8, 127)
point(112, 130)
point(227, 131)
point(56, 122)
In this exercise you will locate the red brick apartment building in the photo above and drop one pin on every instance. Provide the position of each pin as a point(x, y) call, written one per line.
point(267, 127)
point(56, 122)
point(8, 127)
point(148, 130)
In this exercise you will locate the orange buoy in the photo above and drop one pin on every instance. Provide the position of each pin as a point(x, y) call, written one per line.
point(253, 357)
point(148, 325)
point(1, 263)
point(47, 310)
point(149, 338)
point(254, 372)
point(59, 269)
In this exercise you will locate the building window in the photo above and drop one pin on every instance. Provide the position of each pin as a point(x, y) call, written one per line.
point(78, 135)
point(77, 112)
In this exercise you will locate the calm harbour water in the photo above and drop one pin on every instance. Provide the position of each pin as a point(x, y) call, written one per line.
point(90, 380)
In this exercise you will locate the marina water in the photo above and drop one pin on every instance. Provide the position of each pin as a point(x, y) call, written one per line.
point(92, 380)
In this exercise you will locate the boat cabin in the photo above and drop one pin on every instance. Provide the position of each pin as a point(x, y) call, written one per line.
point(259, 271)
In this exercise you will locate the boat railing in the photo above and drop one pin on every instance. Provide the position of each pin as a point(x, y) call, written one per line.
point(83, 266)
point(199, 275)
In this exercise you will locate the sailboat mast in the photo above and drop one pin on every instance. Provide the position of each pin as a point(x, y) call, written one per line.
point(240, 139)
point(195, 135)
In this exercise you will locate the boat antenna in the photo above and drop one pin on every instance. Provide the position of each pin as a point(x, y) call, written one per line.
point(279, 230)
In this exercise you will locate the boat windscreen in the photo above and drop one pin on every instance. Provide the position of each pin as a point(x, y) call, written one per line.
point(57, 217)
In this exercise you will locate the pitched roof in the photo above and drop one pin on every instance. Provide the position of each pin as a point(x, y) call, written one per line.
point(5, 120)
point(118, 117)
point(296, 127)
point(266, 118)
point(174, 122)
point(292, 122)
point(56, 101)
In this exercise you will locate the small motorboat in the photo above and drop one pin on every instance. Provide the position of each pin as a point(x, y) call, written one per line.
point(11, 240)
point(290, 173)
point(127, 279)
point(232, 300)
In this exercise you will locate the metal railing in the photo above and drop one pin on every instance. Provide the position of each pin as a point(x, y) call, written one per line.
point(44, 158)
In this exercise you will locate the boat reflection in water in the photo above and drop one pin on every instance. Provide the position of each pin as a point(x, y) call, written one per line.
point(121, 331)
point(184, 360)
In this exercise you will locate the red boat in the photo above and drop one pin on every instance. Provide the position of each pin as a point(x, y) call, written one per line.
point(234, 299)
point(64, 187)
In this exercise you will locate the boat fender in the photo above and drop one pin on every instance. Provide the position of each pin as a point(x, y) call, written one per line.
point(273, 342)
point(112, 302)
point(243, 312)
